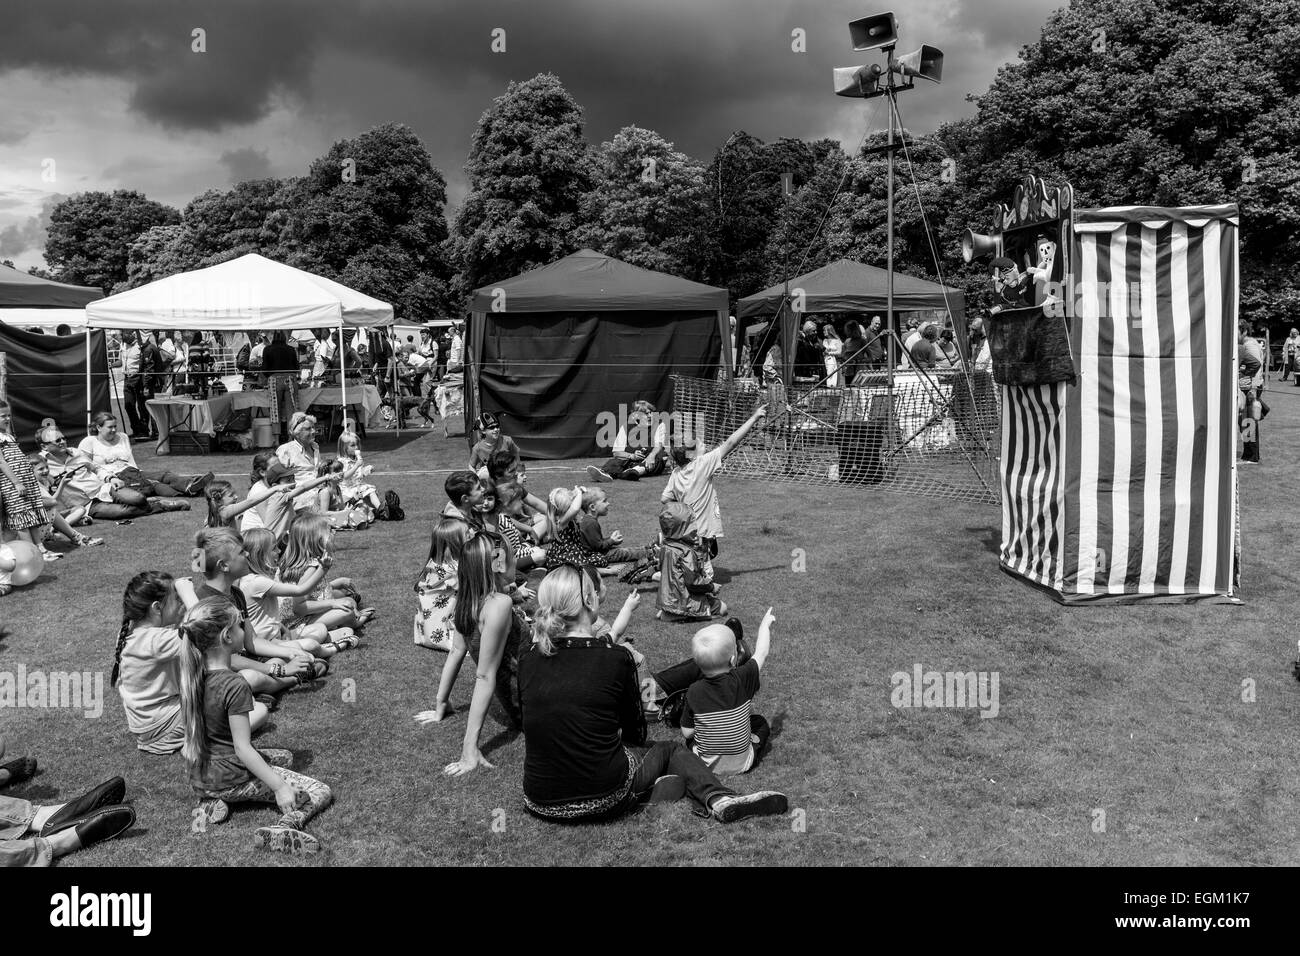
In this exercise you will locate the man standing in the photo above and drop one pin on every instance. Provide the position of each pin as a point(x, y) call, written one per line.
point(280, 361)
point(133, 384)
point(808, 353)
point(875, 347)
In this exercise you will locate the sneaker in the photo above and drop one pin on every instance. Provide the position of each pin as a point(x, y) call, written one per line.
point(764, 803)
point(215, 810)
point(285, 840)
point(169, 504)
point(197, 486)
point(84, 542)
point(596, 474)
point(656, 576)
point(668, 789)
point(51, 556)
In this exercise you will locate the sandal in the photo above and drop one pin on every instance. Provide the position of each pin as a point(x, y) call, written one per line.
point(366, 615)
point(346, 643)
point(319, 668)
point(51, 556)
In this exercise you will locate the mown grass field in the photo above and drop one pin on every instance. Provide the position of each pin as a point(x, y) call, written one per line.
point(1134, 711)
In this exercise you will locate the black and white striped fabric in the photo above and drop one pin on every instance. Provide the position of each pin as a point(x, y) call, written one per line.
point(1122, 485)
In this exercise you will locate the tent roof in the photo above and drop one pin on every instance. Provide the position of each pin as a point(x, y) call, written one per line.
point(20, 290)
point(245, 293)
point(44, 318)
point(589, 281)
point(848, 286)
point(1153, 217)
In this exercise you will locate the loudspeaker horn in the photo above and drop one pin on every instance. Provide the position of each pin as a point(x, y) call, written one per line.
point(871, 33)
point(976, 245)
point(860, 81)
point(925, 63)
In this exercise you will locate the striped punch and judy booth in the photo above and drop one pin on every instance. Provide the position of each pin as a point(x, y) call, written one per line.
point(1119, 480)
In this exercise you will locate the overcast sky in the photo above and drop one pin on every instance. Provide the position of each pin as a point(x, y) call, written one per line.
point(112, 93)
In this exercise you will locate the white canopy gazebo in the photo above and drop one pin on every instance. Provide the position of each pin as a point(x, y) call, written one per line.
point(248, 293)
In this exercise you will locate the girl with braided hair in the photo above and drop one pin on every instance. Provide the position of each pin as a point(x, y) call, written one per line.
point(224, 767)
point(145, 663)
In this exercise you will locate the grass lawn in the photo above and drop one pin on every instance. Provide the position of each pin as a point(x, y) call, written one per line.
point(1136, 711)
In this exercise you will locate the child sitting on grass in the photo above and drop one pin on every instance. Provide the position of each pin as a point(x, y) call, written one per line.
point(519, 528)
point(54, 511)
point(435, 620)
point(718, 719)
point(331, 604)
point(565, 544)
point(686, 588)
point(263, 593)
point(225, 506)
point(268, 667)
point(145, 662)
point(612, 556)
point(276, 512)
point(352, 489)
point(224, 767)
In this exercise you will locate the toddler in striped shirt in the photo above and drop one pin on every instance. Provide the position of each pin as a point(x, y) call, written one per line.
point(717, 718)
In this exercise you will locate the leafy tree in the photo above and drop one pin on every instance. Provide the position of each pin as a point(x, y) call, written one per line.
point(1160, 102)
point(529, 167)
point(369, 214)
point(91, 233)
point(745, 179)
point(158, 253)
point(648, 206)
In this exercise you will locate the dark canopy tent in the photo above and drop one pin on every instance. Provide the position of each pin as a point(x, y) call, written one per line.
point(45, 375)
point(552, 349)
point(18, 290)
point(846, 286)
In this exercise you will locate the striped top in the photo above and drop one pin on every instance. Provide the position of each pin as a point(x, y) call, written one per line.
point(718, 709)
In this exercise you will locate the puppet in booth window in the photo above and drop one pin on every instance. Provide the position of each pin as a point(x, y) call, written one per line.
point(1013, 285)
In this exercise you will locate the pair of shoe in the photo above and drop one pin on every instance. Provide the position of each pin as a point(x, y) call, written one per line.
point(727, 809)
point(598, 475)
point(96, 815)
point(285, 840)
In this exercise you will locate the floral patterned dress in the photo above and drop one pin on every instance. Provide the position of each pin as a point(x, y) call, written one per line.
point(435, 621)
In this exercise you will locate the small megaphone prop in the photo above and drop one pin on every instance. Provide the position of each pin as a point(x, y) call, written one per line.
point(976, 245)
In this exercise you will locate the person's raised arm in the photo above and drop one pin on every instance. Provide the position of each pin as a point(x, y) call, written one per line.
point(230, 512)
point(315, 571)
point(624, 616)
point(739, 434)
point(494, 626)
point(764, 643)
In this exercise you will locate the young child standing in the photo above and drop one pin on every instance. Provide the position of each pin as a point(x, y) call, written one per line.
point(435, 620)
point(686, 587)
point(263, 593)
point(692, 481)
point(20, 493)
point(224, 768)
point(718, 719)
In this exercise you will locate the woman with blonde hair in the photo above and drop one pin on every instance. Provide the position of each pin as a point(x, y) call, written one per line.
point(584, 731)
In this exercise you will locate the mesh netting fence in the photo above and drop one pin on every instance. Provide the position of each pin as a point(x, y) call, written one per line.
point(939, 437)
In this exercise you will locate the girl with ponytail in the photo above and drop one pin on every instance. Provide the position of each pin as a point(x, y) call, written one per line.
point(224, 767)
point(493, 634)
point(224, 505)
point(145, 663)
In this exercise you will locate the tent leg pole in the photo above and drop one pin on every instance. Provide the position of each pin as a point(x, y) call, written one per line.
point(343, 377)
point(88, 411)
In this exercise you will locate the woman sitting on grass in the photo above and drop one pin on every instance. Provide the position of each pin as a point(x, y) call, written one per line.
point(584, 731)
point(489, 630)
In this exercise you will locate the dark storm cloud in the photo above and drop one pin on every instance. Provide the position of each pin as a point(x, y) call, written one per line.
point(254, 50)
point(30, 233)
point(693, 71)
